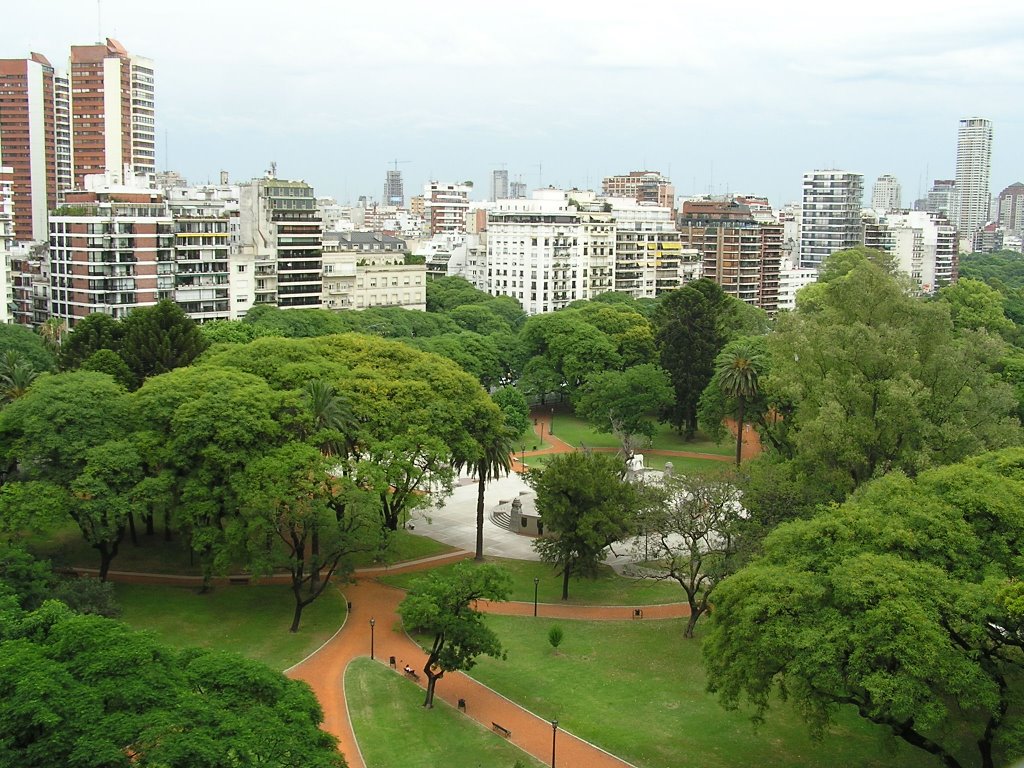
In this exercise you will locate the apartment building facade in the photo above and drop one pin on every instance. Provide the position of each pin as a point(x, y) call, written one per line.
point(642, 186)
point(445, 207)
point(830, 214)
point(649, 257)
point(369, 269)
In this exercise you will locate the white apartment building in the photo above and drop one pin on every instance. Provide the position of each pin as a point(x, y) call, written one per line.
point(792, 278)
point(368, 269)
point(925, 245)
point(6, 243)
point(548, 252)
point(456, 255)
point(973, 165)
point(886, 195)
point(830, 214)
point(648, 252)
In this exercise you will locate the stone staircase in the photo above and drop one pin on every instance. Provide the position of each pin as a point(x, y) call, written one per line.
point(502, 517)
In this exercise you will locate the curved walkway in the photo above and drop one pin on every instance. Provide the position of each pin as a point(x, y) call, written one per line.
point(324, 670)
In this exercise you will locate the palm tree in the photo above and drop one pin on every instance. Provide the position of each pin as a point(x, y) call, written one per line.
point(16, 376)
point(53, 331)
point(737, 368)
point(494, 460)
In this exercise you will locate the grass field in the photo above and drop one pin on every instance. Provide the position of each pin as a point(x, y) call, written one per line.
point(393, 729)
point(575, 431)
point(608, 589)
point(636, 689)
point(250, 620)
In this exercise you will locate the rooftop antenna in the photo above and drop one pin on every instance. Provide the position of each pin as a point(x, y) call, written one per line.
point(99, 22)
point(167, 153)
point(540, 175)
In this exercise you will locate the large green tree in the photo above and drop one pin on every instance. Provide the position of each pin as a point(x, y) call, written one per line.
point(690, 333)
point(28, 346)
point(625, 403)
point(586, 505)
point(91, 334)
point(901, 603)
point(441, 606)
point(159, 339)
point(83, 691)
point(866, 378)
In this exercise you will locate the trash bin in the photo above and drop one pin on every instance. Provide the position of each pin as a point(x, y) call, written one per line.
point(462, 704)
point(391, 661)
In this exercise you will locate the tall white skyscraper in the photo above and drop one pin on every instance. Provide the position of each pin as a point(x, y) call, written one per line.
point(830, 214)
point(886, 194)
point(973, 163)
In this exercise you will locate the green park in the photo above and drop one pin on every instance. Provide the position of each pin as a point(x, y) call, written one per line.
point(304, 538)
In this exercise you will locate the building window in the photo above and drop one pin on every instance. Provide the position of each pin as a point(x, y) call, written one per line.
point(241, 268)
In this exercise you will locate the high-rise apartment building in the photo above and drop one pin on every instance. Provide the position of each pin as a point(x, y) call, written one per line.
point(642, 186)
point(924, 245)
point(517, 190)
point(942, 198)
point(280, 245)
point(973, 164)
point(6, 243)
point(112, 251)
point(499, 185)
point(886, 194)
point(547, 252)
point(28, 140)
point(648, 255)
point(113, 119)
point(1011, 209)
point(830, 214)
point(740, 249)
point(445, 207)
point(394, 189)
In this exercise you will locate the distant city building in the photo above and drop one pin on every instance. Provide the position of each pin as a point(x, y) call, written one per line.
point(6, 243)
point(1010, 213)
point(28, 140)
point(456, 255)
point(168, 179)
point(111, 249)
point(280, 246)
point(642, 186)
point(739, 252)
point(648, 252)
point(369, 269)
point(886, 194)
point(445, 207)
point(924, 244)
point(499, 185)
point(547, 253)
point(791, 279)
point(517, 190)
point(394, 189)
point(988, 239)
point(830, 214)
point(973, 164)
point(113, 118)
point(942, 198)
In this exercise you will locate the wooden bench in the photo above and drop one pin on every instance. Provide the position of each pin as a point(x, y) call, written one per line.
point(411, 674)
point(501, 729)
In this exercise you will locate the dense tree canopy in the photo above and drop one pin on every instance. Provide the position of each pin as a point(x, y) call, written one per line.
point(586, 504)
point(28, 346)
point(901, 603)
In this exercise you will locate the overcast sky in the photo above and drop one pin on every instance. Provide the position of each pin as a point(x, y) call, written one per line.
point(721, 96)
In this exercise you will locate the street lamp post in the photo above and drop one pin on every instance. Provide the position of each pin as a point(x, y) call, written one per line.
point(551, 425)
point(554, 732)
point(536, 583)
point(373, 623)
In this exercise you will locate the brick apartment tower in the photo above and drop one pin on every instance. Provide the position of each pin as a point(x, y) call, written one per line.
point(112, 111)
point(28, 141)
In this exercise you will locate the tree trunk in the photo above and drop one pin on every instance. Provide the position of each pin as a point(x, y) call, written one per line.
point(565, 583)
point(739, 431)
point(314, 546)
point(691, 621)
point(297, 615)
point(150, 530)
point(432, 679)
point(167, 523)
point(107, 555)
point(480, 515)
point(131, 529)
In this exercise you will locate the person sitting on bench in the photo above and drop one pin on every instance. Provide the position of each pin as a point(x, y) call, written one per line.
point(409, 670)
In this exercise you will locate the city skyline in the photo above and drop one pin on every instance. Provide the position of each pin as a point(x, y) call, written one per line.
point(559, 96)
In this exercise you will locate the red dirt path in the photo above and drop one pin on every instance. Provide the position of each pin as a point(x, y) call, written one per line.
point(324, 670)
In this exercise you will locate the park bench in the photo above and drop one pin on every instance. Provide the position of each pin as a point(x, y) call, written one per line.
point(412, 675)
point(501, 729)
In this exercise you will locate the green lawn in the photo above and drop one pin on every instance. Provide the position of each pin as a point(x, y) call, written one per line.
point(636, 689)
point(405, 546)
point(608, 589)
point(575, 431)
point(251, 620)
point(651, 461)
point(393, 729)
